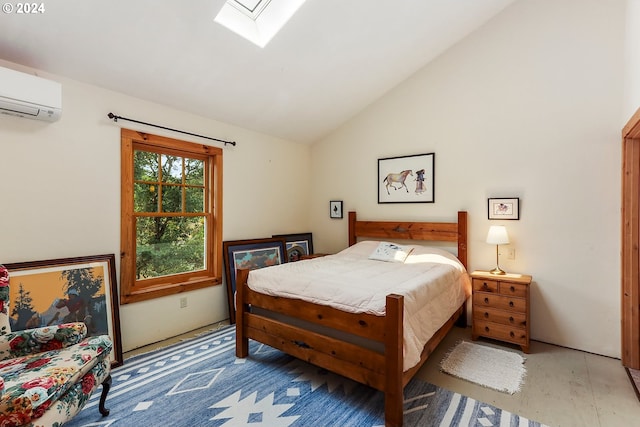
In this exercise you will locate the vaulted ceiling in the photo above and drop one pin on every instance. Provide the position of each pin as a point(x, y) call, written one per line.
point(331, 60)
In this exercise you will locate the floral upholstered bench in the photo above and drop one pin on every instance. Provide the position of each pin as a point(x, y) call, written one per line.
point(48, 374)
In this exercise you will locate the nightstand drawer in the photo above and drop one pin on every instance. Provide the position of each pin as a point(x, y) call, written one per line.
point(484, 285)
point(501, 332)
point(499, 301)
point(501, 307)
point(513, 289)
point(511, 318)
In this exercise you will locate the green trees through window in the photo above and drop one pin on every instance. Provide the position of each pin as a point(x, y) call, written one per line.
point(172, 186)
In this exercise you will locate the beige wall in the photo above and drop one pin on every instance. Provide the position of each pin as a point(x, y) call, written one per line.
point(528, 106)
point(60, 187)
point(632, 59)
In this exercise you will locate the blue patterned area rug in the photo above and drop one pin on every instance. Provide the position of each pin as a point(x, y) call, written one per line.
point(200, 382)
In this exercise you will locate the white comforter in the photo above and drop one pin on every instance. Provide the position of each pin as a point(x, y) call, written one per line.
point(433, 282)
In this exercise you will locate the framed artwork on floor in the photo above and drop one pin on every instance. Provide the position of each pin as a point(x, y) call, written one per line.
point(52, 292)
point(249, 254)
point(407, 179)
point(298, 245)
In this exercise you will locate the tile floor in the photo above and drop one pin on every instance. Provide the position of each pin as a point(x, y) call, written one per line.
point(563, 387)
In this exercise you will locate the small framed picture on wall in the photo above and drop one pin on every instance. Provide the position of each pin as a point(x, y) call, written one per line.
point(503, 208)
point(335, 209)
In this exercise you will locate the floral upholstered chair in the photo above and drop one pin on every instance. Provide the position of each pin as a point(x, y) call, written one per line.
point(47, 374)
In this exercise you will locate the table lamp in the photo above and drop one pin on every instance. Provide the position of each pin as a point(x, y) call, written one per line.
point(497, 236)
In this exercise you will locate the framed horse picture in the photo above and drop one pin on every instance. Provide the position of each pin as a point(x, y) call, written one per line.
point(407, 179)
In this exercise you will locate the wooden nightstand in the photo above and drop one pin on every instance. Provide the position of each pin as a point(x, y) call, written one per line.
point(501, 307)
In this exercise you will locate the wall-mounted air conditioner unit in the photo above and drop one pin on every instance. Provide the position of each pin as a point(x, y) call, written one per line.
point(28, 96)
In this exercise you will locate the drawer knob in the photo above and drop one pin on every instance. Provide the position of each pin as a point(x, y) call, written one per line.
point(485, 286)
point(511, 319)
point(510, 303)
point(511, 334)
point(486, 328)
point(513, 289)
point(486, 315)
point(486, 300)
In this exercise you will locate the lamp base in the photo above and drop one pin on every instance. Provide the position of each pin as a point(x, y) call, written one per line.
point(497, 271)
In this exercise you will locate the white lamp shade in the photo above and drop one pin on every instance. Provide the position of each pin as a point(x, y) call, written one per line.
point(497, 235)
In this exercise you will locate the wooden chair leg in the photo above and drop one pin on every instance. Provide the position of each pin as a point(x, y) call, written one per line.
point(106, 386)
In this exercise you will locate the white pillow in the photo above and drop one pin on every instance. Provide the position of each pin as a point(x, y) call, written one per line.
point(390, 252)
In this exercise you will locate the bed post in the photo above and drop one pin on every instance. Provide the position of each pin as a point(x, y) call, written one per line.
point(393, 393)
point(352, 228)
point(242, 342)
point(462, 256)
point(462, 237)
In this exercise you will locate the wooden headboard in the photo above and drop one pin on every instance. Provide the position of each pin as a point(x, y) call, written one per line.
point(433, 231)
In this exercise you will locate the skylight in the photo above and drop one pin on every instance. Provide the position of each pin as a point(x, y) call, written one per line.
point(250, 8)
point(257, 20)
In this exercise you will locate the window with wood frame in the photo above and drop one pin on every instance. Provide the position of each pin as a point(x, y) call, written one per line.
point(171, 216)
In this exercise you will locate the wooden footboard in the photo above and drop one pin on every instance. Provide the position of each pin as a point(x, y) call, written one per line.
point(361, 364)
point(382, 370)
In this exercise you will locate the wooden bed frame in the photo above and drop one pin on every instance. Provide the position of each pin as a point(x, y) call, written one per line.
point(382, 371)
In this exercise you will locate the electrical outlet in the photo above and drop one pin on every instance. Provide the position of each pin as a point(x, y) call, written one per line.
point(183, 302)
point(511, 253)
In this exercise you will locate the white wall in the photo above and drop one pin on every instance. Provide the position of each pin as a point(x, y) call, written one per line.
point(528, 106)
point(60, 187)
point(632, 59)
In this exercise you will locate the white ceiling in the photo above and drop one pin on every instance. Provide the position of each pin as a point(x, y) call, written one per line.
point(331, 60)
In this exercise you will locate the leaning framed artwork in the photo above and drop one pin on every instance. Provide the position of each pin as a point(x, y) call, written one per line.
point(52, 292)
point(504, 208)
point(249, 254)
point(298, 245)
point(407, 179)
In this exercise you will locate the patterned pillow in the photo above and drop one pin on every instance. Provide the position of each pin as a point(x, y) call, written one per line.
point(390, 252)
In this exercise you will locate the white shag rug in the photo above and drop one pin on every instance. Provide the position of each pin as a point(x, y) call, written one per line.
point(490, 367)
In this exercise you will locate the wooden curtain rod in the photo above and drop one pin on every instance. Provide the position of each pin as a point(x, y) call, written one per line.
point(116, 117)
